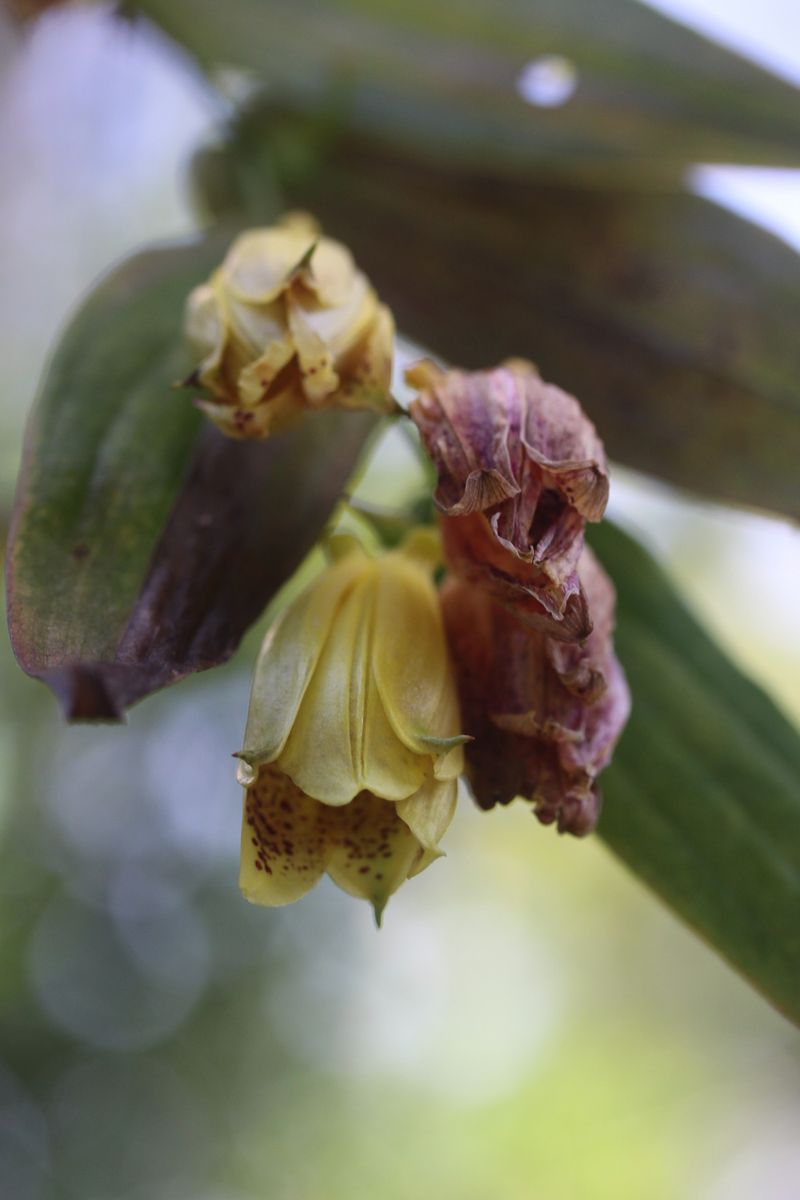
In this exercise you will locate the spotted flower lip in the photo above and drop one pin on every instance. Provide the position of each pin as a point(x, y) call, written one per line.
point(545, 714)
point(287, 324)
point(522, 469)
point(352, 750)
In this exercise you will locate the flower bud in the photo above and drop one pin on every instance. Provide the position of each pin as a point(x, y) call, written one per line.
point(352, 750)
point(520, 470)
point(544, 714)
point(287, 324)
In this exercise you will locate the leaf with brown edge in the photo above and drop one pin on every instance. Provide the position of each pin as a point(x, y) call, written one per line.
point(702, 799)
point(144, 543)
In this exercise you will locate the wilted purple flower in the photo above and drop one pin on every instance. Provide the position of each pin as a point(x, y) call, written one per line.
point(545, 715)
point(520, 471)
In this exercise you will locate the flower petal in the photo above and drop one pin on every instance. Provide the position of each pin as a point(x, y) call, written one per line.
point(365, 368)
point(286, 840)
point(330, 272)
point(469, 422)
point(288, 323)
point(205, 329)
point(259, 265)
point(290, 655)
point(410, 660)
point(545, 715)
point(474, 552)
point(315, 357)
point(323, 752)
point(429, 811)
point(375, 850)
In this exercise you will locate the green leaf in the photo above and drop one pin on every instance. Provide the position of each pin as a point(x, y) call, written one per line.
point(441, 79)
point(144, 543)
point(703, 797)
point(673, 320)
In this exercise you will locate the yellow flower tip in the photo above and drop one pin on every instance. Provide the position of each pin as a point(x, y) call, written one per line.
point(354, 713)
point(285, 325)
point(424, 546)
point(304, 262)
point(423, 374)
point(378, 911)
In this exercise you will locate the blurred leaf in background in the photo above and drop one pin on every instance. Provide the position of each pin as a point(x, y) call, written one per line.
point(620, 90)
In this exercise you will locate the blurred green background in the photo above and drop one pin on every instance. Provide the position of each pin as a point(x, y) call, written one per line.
point(529, 1023)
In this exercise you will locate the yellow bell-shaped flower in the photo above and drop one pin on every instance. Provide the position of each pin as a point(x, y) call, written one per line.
point(352, 751)
point(286, 324)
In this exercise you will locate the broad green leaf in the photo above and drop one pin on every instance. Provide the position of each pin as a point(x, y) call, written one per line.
point(703, 797)
point(144, 543)
point(673, 320)
point(443, 79)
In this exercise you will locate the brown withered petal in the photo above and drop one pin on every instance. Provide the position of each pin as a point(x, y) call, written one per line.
point(544, 715)
point(521, 460)
point(473, 552)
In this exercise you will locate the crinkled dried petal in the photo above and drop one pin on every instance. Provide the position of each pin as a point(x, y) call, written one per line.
point(493, 435)
point(472, 551)
point(544, 715)
point(521, 459)
point(470, 424)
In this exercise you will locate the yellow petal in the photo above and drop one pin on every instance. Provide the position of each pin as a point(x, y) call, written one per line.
point(330, 273)
point(314, 356)
point(429, 811)
point(259, 265)
point(410, 662)
point(286, 840)
point(342, 325)
point(256, 379)
point(366, 368)
point(341, 742)
point(205, 328)
point(424, 374)
point(290, 655)
point(375, 851)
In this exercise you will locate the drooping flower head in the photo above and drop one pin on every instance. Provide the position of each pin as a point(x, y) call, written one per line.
point(529, 611)
point(286, 324)
point(520, 471)
point(352, 749)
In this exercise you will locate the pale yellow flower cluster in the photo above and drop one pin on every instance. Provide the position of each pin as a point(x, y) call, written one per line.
point(288, 324)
